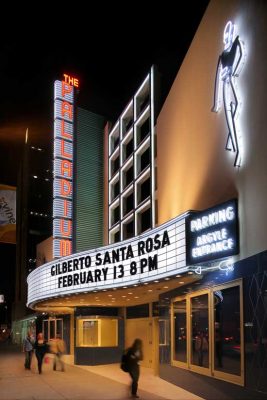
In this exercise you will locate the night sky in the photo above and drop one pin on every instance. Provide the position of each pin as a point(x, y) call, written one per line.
point(109, 47)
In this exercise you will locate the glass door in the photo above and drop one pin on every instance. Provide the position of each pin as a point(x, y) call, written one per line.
point(179, 332)
point(228, 354)
point(199, 349)
point(52, 327)
point(207, 332)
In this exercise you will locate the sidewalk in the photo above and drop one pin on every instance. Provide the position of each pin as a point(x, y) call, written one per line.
point(78, 382)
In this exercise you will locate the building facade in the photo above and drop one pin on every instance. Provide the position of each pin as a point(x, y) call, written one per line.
point(34, 214)
point(132, 207)
point(193, 285)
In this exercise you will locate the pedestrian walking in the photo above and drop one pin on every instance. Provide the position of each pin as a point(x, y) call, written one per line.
point(28, 349)
point(134, 355)
point(58, 348)
point(40, 349)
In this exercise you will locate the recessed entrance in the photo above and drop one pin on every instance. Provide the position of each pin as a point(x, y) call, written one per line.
point(207, 332)
point(52, 327)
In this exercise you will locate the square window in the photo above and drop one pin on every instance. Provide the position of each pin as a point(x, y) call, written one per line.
point(144, 220)
point(128, 230)
point(142, 131)
point(128, 203)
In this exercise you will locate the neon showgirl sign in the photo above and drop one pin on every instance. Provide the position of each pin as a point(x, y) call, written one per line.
point(229, 66)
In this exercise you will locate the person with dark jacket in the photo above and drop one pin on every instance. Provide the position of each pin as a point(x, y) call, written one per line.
point(40, 349)
point(28, 349)
point(134, 355)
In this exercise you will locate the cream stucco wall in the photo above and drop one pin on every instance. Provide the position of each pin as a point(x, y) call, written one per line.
point(194, 169)
point(44, 251)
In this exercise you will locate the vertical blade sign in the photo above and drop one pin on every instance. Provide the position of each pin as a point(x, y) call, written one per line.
point(64, 96)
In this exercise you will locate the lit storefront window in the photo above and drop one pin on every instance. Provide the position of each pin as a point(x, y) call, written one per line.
point(97, 332)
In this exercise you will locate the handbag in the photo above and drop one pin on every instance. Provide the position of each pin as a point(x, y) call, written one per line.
point(125, 361)
point(46, 360)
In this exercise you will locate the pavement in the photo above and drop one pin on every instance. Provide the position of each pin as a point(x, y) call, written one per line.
point(77, 382)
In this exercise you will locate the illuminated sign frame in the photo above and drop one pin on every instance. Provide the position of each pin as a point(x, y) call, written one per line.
point(157, 254)
point(212, 234)
point(64, 97)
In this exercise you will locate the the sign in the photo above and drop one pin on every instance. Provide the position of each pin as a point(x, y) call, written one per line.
point(2, 298)
point(212, 234)
point(64, 95)
point(7, 214)
point(229, 66)
point(154, 255)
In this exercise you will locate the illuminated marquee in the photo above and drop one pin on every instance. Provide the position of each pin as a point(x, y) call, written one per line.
point(64, 94)
point(212, 234)
point(162, 253)
point(157, 254)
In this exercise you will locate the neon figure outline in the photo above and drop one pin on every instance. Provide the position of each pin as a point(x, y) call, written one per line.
point(228, 67)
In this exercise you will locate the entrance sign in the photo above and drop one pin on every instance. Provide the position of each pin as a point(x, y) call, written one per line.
point(212, 234)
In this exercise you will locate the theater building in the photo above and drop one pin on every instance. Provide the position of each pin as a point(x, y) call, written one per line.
point(183, 263)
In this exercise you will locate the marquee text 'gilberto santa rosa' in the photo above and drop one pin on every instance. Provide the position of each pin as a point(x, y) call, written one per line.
point(111, 264)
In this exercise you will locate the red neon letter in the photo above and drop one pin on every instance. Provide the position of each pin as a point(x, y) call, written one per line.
point(66, 108)
point(65, 227)
point(66, 166)
point(65, 188)
point(62, 150)
point(66, 206)
point(65, 88)
point(62, 131)
point(65, 247)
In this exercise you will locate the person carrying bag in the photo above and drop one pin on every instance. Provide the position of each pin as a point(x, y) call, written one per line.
point(41, 349)
point(133, 356)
